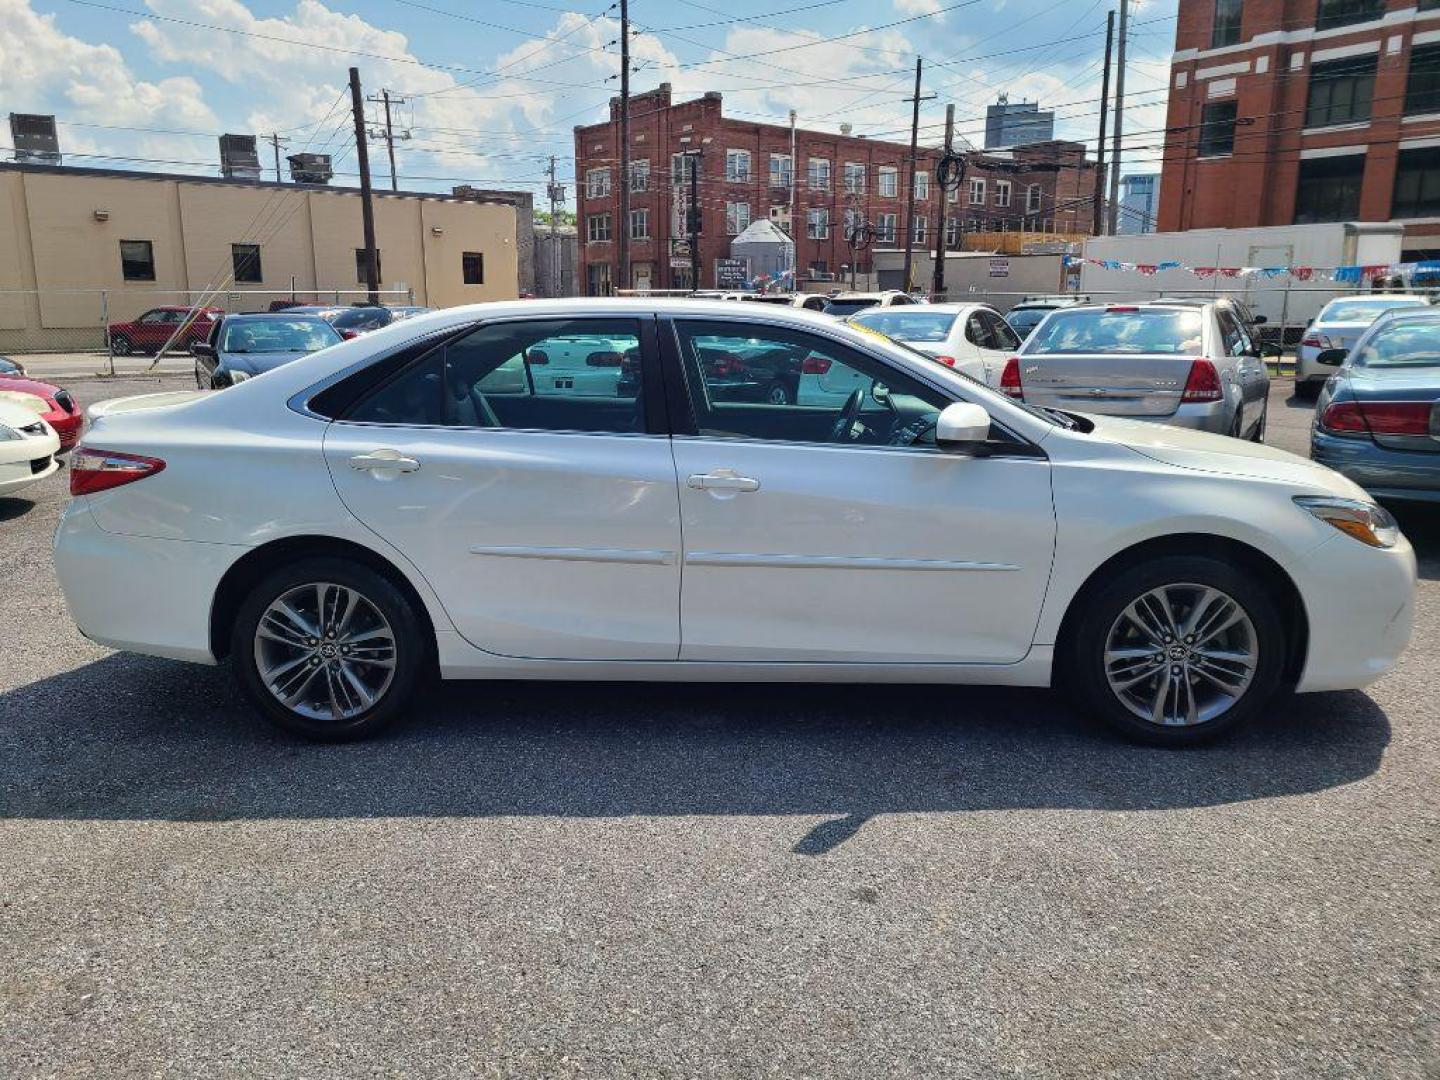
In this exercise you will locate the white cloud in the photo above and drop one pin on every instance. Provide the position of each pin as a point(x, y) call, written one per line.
point(919, 7)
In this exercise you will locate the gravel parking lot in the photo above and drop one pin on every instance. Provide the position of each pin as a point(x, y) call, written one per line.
point(611, 880)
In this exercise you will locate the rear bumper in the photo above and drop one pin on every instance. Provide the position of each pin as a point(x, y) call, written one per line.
point(1307, 367)
point(1384, 473)
point(137, 593)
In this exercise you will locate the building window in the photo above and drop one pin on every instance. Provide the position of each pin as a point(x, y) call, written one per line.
point(1217, 129)
point(855, 178)
point(922, 185)
point(817, 223)
point(737, 218)
point(640, 175)
point(952, 195)
point(919, 228)
point(597, 228)
point(1329, 189)
point(885, 229)
point(360, 267)
point(1032, 199)
point(977, 191)
point(1002, 193)
point(1417, 184)
point(974, 224)
point(682, 167)
point(1422, 87)
point(597, 183)
point(737, 166)
point(245, 260)
point(640, 224)
point(1340, 91)
point(819, 174)
point(137, 260)
point(1334, 13)
point(853, 220)
point(819, 268)
point(472, 268)
point(1226, 29)
point(952, 233)
point(780, 170)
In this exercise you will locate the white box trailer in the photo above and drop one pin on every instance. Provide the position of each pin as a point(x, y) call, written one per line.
point(1280, 300)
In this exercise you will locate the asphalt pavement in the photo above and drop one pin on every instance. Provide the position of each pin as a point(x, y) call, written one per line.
point(586, 880)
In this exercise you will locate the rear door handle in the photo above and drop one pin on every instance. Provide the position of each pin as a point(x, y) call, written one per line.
point(387, 460)
point(722, 480)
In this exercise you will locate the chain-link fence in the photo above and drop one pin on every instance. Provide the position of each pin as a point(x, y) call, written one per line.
point(132, 322)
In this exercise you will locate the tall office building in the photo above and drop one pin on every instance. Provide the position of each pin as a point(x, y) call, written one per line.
point(1017, 123)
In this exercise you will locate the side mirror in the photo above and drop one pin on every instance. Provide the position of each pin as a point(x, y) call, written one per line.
point(1332, 357)
point(1269, 350)
point(1261, 320)
point(962, 426)
point(202, 348)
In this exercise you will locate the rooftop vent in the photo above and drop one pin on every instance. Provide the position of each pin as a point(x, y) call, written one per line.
point(238, 159)
point(34, 138)
point(310, 168)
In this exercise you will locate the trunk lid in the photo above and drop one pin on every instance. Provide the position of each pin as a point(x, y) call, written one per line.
point(1111, 384)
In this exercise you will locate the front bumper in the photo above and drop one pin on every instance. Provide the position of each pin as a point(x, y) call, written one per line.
point(1360, 606)
point(138, 593)
point(1384, 473)
point(15, 475)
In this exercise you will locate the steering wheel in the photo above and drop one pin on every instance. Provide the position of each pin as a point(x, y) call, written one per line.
point(849, 413)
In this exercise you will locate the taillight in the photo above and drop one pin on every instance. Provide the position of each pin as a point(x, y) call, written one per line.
point(604, 359)
point(537, 358)
point(94, 470)
point(1010, 384)
point(815, 365)
point(1121, 310)
point(348, 334)
point(1203, 384)
point(1377, 417)
point(948, 361)
point(1316, 341)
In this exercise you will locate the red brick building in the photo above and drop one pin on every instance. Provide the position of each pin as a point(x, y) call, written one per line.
point(745, 172)
point(1300, 111)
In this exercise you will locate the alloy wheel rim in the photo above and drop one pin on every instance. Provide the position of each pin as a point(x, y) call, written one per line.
point(325, 651)
point(1181, 655)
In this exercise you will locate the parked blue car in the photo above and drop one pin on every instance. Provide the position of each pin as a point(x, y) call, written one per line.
point(1378, 417)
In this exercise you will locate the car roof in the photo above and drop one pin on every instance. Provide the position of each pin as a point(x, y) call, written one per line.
point(263, 316)
point(1408, 298)
point(942, 308)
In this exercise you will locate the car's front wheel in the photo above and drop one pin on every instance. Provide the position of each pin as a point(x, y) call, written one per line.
point(121, 345)
point(329, 649)
point(1177, 650)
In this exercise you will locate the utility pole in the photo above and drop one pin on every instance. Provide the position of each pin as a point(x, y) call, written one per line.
point(1119, 114)
point(388, 131)
point(276, 141)
point(914, 146)
point(1098, 225)
point(557, 195)
point(367, 208)
point(938, 284)
point(622, 247)
point(794, 235)
point(692, 217)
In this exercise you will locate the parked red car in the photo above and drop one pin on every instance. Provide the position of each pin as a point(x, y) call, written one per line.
point(62, 412)
point(151, 331)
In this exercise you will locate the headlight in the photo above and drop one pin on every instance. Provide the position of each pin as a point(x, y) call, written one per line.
point(1366, 522)
point(8, 434)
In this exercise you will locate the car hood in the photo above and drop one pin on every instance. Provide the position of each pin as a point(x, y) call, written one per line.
point(1185, 448)
point(258, 362)
point(23, 385)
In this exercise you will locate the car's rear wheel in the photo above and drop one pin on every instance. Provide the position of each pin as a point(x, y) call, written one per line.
point(1258, 435)
point(121, 345)
point(779, 394)
point(1177, 650)
point(329, 649)
point(1308, 389)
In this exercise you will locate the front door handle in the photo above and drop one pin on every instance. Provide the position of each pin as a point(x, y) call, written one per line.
point(722, 480)
point(386, 460)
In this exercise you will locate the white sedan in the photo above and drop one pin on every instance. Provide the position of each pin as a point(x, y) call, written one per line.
point(973, 338)
point(343, 525)
point(28, 445)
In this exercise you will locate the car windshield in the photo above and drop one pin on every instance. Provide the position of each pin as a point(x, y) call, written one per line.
point(1028, 318)
point(354, 318)
point(8, 366)
point(1119, 330)
point(1415, 344)
point(277, 335)
point(849, 307)
point(907, 324)
point(1362, 311)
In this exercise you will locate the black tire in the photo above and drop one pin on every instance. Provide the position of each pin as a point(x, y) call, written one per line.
point(777, 393)
point(1237, 429)
point(412, 648)
point(1082, 655)
point(1308, 390)
point(1258, 435)
point(121, 345)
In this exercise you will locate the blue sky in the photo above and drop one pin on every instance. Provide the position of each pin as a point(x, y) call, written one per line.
point(496, 86)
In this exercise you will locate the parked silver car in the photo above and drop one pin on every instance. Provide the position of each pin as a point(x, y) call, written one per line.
point(1339, 325)
point(1182, 364)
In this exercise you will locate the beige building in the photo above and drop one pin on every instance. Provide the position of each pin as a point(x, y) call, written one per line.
point(70, 237)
